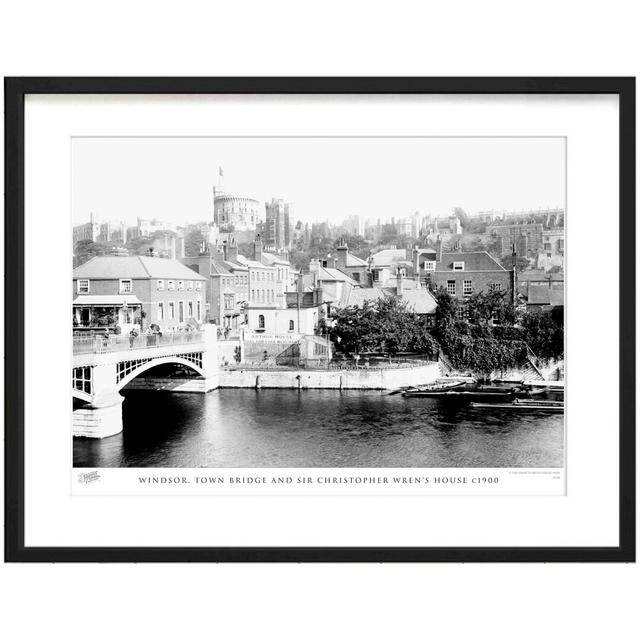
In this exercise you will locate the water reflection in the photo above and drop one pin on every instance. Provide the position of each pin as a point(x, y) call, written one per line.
point(320, 428)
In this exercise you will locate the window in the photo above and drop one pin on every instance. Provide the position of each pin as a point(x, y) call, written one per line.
point(160, 310)
point(431, 320)
point(429, 265)
point(292, 325)
point(458, 266)
point(451, 287)
point(260, 321)
point(190, 285)
point(356, 277)
point(83, 286)
point(190, 309)
point(160, 285)
point(198, 285)
point(495, 286)
point(126, 286)
point(171, 285)
point(172, 311)
point(198, 311)
point(180, 285)
point(467, 288)
point(228, 301)
point(181, 311)
point(376, 276)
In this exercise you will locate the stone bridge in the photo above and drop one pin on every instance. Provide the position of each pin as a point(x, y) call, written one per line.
point(103, 365)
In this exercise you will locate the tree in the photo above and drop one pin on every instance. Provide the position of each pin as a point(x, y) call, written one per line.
point(544, 332)
point(387, 325)
point(489, 307)
point(193, 240)
point(84, 250)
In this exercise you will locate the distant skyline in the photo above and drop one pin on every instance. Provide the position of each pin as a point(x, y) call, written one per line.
point(326, 179)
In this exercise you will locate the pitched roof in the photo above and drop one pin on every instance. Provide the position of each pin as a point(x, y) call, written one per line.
point(233, 266)
point(354, 261)
point(252, 263)
point(473, 261)
point(388, 256)
point(219, 268)
point(420, 300)
point(270, 258)
point(546, 296)
point(135, 267)
point(539, 275)
point(333, 275)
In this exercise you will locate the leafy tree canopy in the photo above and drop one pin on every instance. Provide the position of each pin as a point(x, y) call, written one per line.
point(84, 250)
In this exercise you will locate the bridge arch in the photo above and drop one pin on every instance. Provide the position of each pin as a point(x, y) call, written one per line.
point(154, 363)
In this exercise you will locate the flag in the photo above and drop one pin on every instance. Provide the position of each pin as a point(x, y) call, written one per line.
point(220, 172)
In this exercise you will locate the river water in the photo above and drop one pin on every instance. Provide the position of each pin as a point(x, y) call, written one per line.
point(320, 428)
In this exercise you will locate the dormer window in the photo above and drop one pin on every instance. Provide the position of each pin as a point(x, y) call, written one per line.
point(429, 265)
point(458, 266)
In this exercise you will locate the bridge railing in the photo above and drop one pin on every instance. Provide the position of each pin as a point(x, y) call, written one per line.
point(108, 343)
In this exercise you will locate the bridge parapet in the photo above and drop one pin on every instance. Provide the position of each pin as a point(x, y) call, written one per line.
point(108, 343)
point(101, 369)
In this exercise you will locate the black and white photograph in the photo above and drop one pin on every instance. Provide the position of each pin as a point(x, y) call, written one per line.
point(318, 302)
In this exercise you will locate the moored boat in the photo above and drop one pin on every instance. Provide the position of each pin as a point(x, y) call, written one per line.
point(439, 386)
point(530, 405)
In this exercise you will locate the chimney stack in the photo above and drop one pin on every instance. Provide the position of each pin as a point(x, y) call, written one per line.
point(173, 247)
point(232, 250)
point(342, 254)
point(257, 248)
point(314, 269)
point(439, 249)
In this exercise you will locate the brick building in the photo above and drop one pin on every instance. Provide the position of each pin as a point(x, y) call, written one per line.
point(356, 268)
point(114, 291)
point(227, 284)
point(462, 274)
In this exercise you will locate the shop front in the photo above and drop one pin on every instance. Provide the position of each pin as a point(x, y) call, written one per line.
point(111, 313)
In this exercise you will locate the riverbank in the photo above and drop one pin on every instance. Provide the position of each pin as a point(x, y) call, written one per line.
point(365, 378)
point(372, 378)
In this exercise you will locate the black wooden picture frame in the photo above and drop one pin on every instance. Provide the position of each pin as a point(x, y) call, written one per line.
point(15, 91)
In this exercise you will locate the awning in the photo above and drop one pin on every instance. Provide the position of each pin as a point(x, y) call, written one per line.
point(105, 301)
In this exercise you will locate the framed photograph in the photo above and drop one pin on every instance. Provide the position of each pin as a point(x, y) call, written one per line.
point(320, 319)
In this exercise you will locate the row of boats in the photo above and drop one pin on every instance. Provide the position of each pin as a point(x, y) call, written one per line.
point(518, 396)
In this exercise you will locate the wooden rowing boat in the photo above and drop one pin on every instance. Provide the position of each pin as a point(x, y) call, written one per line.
point(530, 405)
point(440, 386)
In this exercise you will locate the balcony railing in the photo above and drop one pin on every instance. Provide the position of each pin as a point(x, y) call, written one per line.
point(102, 343)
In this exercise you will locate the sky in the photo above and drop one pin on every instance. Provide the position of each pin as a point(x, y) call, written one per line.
point(326, 179)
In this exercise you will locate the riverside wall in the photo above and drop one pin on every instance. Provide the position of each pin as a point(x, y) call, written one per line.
point(365, 378)
point(281, 378)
